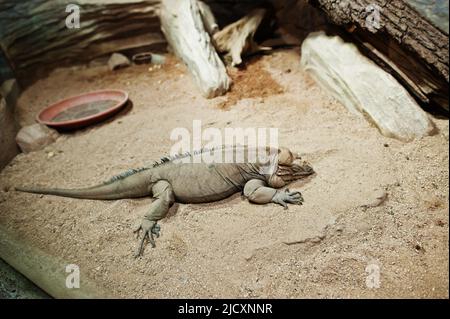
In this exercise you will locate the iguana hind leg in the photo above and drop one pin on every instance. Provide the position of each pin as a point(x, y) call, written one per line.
point(163, 193)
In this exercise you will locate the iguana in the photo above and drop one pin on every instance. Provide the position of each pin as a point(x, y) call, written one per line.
point(181, 179)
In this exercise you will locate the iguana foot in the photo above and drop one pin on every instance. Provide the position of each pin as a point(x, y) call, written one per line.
point(149, 228)
point(288, 197)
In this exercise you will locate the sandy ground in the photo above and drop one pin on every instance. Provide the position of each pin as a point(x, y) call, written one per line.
point(326, 248)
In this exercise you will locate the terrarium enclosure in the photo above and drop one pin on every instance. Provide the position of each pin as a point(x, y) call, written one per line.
point(94, 89)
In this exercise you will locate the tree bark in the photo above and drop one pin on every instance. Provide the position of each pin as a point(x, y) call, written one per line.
point(35, 38)
point(404, 43)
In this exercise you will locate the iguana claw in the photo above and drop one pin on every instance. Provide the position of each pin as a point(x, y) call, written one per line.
point(156, 229)
point(149, 229)
point(288, 197)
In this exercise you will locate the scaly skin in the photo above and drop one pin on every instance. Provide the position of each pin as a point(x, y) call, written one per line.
point(191, 182)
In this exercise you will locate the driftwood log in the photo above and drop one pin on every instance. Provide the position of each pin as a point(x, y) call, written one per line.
point(236, 39)
point(34, 35)
point(182, 24)
point(403, 42)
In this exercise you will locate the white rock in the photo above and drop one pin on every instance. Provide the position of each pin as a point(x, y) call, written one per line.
point(117, 61)
point(35, 137)
point(363, 87)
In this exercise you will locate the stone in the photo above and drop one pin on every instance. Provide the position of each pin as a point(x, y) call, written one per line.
point(364, 88)
point(8, 131)
point(377, 198)
point(304, 239)
point(158, 59)
point(35, 137)
point(117, 61)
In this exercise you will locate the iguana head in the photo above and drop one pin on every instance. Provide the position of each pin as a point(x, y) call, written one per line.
point(290, 167)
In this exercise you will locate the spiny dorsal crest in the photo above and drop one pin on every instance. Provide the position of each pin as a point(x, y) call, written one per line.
point(125, 174)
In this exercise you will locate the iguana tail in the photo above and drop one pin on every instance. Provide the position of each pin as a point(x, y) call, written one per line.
point(129, 184)
point(116, 190)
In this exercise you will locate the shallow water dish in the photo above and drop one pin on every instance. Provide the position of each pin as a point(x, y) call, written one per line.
point(83, 110)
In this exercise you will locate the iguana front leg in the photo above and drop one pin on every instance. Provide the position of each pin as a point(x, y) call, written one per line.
point(163, 193)
point(257, 192)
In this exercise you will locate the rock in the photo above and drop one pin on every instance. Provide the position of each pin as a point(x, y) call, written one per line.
point(8, 131)
point(35, 137)
point(436, 11)
point(249, 255)
point(158, 59)
point(339, 228)
point(378, 197)
point(304, 239)
point(364, 88)
point(117, 61)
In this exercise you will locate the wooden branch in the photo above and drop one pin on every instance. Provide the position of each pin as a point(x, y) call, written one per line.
point(236, 39)
point(405, 43)
point(182, 24)
point(209, 20)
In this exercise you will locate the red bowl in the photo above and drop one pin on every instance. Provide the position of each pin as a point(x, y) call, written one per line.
point(82, 110)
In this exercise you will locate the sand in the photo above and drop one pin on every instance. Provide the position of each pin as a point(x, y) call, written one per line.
point(374, 202)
